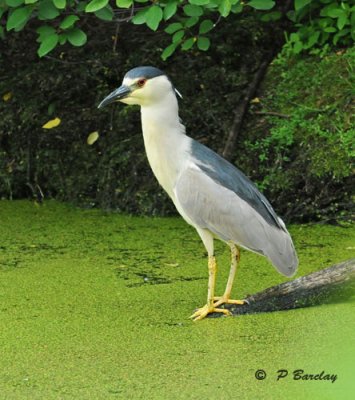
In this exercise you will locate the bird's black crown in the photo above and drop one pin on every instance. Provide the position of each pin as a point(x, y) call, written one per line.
point(144, 72)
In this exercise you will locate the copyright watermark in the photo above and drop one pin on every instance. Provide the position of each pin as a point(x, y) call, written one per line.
point(260, 374)
point(296, 375)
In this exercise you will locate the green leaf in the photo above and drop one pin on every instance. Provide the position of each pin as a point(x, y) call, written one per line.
point(48, 44)
point(168, 51)
point(261, 4)
point(344, 32)
point(330, 29)
point(203, 43)
point(225, 8)
point(342, 21)
point(68, 21)
point(237, 8)
point(63, 37)
point(106, 13)
point(294, 37)
point(298, 47)
point(44, 31)
point(13, 3)
point(77, 37)
point(213, 4)
point(60, 4)
point(47, 10)
point(172, 28)
point(324, 11)
point(188, 44)
point(206, 26)
point(51, 108)
point(324, 22)
point(140, 17)
point(193, 11)
point(313, 39)
point(153, 17)
point(271, 16)
point(336, 38)
point(95, 5)
point(30, 1)
point(191, 22)
point(18, 17)
point(170, 10)
point(345, 6)
point(124, 3)
point(335, 12)
point(301, 3)
point(199, 2)
point(178, 36)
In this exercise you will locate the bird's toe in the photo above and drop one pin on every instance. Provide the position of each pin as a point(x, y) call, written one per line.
point(202, 312)
point(226, 300)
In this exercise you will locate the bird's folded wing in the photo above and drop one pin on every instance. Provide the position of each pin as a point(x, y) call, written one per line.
point(206, 204)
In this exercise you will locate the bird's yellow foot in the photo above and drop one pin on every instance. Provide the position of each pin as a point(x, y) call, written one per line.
point(227, 300)
point(207, 309)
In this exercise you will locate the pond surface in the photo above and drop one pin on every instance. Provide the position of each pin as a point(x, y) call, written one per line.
point(95, 306)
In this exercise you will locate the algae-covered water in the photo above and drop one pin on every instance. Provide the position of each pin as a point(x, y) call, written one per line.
point(96, 306)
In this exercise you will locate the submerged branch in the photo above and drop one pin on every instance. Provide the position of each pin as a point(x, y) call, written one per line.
point(330, 284)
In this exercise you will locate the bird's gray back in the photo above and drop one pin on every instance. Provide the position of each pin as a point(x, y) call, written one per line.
point(230, 177)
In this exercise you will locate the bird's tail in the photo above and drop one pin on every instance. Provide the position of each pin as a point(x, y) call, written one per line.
point(281, 252)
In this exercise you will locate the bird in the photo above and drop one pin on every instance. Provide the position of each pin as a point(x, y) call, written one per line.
point(210, 193)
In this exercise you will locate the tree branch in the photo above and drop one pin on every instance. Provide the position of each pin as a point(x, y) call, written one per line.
point(243, 106)
point(272, 113)
point(331, 284)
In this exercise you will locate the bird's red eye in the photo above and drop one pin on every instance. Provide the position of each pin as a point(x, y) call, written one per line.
point(141, 82)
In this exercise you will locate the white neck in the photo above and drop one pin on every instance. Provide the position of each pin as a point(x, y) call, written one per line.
point(165, 140)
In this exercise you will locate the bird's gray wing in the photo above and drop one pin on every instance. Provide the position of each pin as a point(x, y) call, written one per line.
point(229, 176)
point(207, 204)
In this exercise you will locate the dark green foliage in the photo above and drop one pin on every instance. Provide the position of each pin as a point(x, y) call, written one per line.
point(318, 25)
point(306, 161)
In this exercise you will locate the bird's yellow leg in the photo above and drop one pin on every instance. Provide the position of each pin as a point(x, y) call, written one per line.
point(225, 299)
point(209, 307)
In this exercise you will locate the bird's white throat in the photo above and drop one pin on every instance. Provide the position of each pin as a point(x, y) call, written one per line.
point(165, 141)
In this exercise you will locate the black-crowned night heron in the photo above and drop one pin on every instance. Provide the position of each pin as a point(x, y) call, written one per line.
point(210, 193)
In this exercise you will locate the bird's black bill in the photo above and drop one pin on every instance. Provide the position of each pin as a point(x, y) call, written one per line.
point(117, 94)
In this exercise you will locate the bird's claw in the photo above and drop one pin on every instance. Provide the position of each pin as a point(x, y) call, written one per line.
point(227, 300)
point(207, 309)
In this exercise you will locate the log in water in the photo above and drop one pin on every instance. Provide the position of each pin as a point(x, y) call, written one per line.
point(336, 283)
